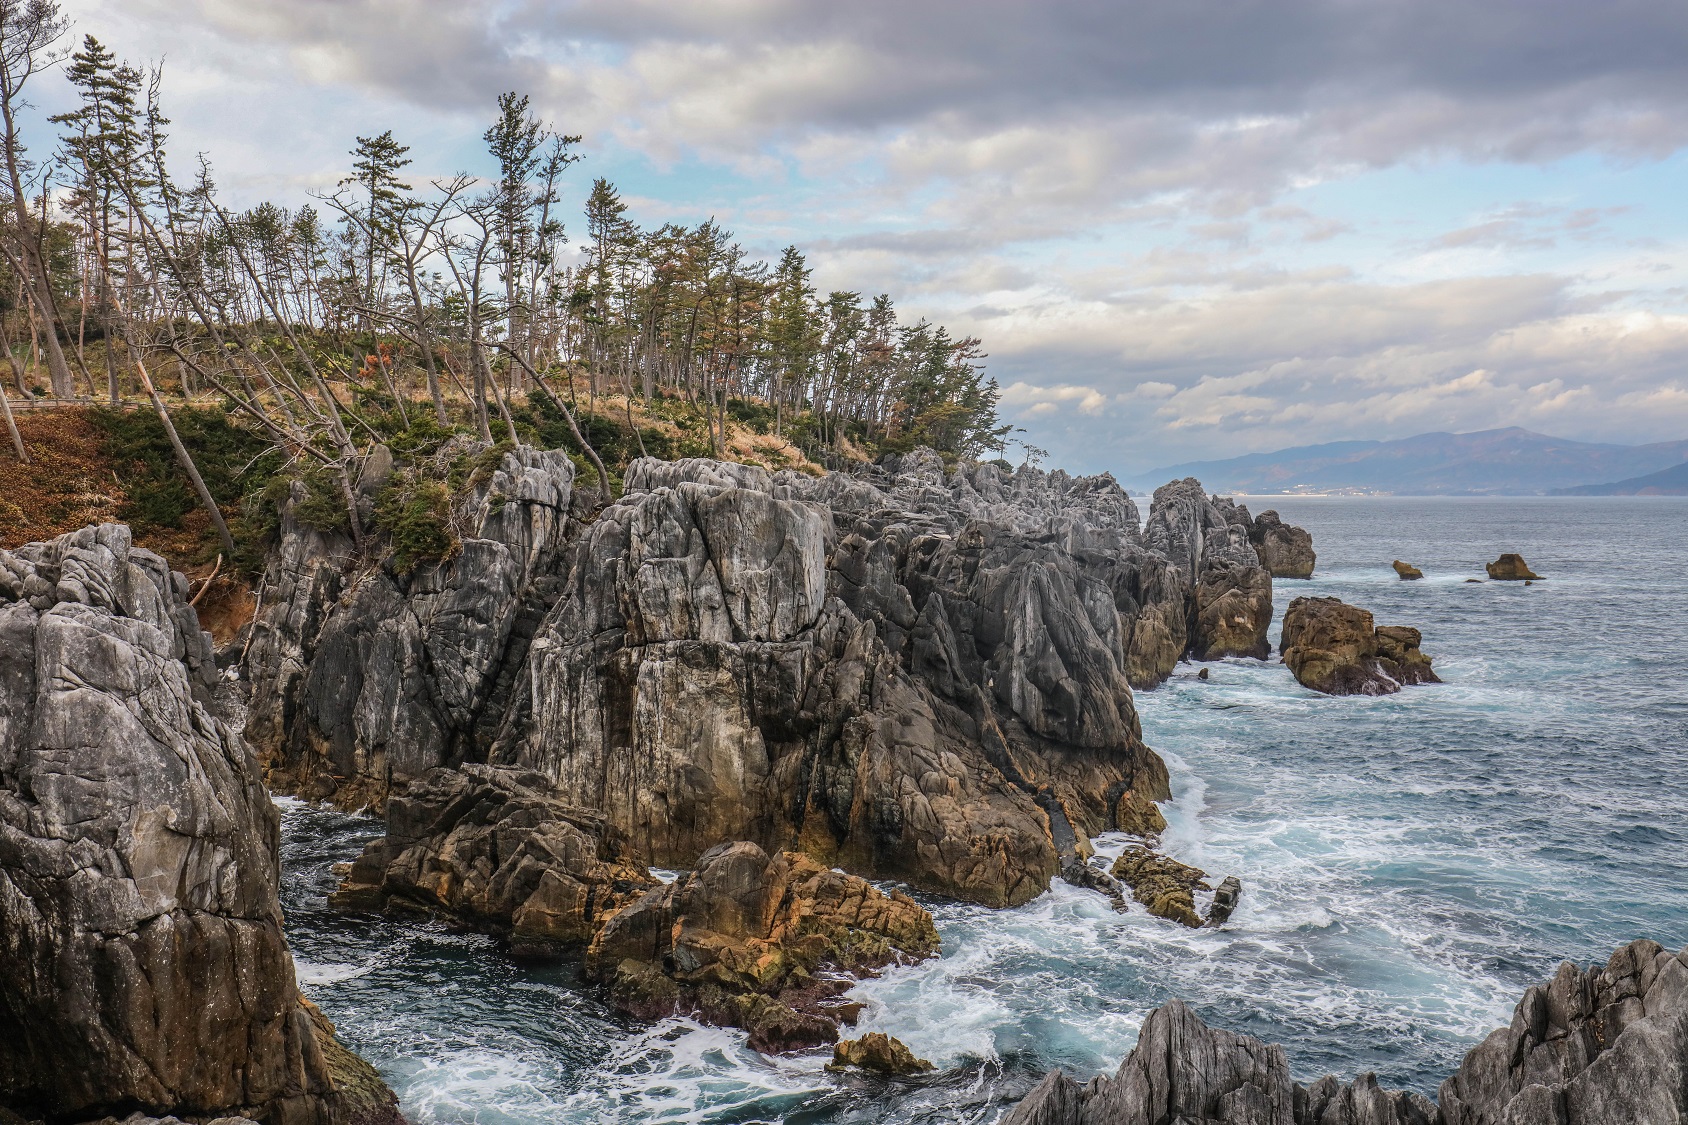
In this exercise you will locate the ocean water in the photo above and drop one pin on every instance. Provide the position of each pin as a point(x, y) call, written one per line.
point(1410, 863)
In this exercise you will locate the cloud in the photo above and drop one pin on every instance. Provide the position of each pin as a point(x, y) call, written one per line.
point(1122, 198)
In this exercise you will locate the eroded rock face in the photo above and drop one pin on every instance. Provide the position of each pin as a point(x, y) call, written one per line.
point(1286, 551)
point(1162, 884)
point(494, 848)
point(725, 664)
point(1333, 647)
point(1511, 568)
point(1207, 539)
point(911, 672)
point(1591, 1046)
point(144, 963)
point(360, 678)
point(878, 1052)
point(757, 942)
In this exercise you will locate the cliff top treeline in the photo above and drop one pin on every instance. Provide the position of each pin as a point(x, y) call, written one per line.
point(402, 312)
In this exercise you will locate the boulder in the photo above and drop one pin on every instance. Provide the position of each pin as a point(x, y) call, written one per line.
point(1285, 550)
point(1598, 1045)
point(494, 848)
point(879, 1053)
point(1161, 883)
point(1225, 901)
point(144, 963)
point(1406, 571)
point(1511, 568)
point(1333, 647)
point(763, 943)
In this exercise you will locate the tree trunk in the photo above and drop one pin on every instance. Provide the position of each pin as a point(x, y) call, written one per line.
point(183, 459)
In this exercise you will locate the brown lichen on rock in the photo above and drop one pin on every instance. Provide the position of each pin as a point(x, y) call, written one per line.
point(878, 1052)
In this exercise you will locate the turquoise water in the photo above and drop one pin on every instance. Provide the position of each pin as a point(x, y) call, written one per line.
point(1410, 863)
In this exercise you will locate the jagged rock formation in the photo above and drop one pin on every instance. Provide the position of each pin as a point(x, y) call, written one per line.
point(908, 672)
point(1333, 647)
point(493, 847)
point(362, 678)
point(726, 663)
point(1207, 539)
point(144, 963)
point(1511, 568)
point(878, 1052)
point(766, 944)
point(1591, 1047)
point(1407, 572)
point(1285, 550)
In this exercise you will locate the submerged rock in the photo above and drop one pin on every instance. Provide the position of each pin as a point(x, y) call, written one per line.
point(144, 963)
point(879, 1053)
point(1333, 647)
point(766, 944)
point(1511, 568)
point(1285, 550)
point(1406, 571)
point(1601, 1045)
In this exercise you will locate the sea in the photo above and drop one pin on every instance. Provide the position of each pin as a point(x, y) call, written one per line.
point(1410, 863)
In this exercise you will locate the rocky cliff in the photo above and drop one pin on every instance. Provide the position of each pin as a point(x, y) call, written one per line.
point(909, 672)
point(1593, 1046)
point(144, 964)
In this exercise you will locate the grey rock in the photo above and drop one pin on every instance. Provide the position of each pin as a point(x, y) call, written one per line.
point(1207, 540)
point(1284, 549)
point(364, 678)
point(144, 963)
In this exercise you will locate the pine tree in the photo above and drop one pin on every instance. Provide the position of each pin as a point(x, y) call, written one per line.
point(376, 172)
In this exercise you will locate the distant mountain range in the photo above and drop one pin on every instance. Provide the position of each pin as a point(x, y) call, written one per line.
point(1493, 461)
point(1509, 462)
point(1666, 482)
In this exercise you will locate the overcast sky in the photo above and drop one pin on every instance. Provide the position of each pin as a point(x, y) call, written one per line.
point(1184, 229)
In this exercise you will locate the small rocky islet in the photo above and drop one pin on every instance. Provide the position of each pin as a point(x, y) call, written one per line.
point(783, 685)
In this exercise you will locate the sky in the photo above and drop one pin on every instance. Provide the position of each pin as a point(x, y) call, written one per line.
point(1184, 229)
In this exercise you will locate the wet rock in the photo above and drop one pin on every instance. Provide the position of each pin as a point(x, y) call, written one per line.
point(1510, 568)
point(1135, 815)
point(143, 959)
point(879, 1053)
point(1225, 901)
point(1162, 884)
point(766, 944)
point(1286, 551)
point(1233, 611)
point(1202, 675)
point(494, 848)
point(1406, 571)
point(1333, 647)
point(1077, 872)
